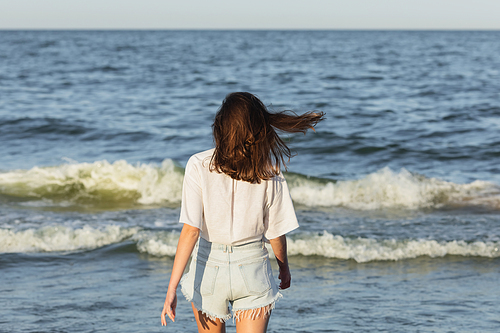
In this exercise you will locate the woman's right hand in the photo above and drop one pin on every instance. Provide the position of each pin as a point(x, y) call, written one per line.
point(187, 240)
point(169, 307)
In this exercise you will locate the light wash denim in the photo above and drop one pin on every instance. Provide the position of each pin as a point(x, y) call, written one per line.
point(240, 275)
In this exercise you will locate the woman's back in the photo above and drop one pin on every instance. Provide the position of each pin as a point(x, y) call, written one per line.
point(234, 212)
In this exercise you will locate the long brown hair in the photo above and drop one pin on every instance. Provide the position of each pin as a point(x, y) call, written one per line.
point(247, 146)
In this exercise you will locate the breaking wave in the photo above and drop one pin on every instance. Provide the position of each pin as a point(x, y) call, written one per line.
point(96, 183)
point(61, 239)
point(359, 249)
point(367, 249)
point(164, 243)
point(388, 189)
point(120, 184)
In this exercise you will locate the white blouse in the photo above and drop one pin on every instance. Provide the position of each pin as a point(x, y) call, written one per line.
point(234, 212)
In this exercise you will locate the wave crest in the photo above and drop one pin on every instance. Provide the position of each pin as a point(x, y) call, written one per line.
point(367, 249)
point(337, 247)
point(61, 239)
point(158, 244)
point(388, 189)
point(97, 183)
point(120, 184)
point(164, 243)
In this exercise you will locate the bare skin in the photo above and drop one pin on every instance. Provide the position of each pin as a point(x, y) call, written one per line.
point(206, 324)
point(279, 248)
point(248, 325)
point(187, 240)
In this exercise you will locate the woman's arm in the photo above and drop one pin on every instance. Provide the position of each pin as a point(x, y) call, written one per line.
point(187, 240)
point(279, 248)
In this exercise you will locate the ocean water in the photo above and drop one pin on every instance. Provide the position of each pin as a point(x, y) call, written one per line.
point(397, 192)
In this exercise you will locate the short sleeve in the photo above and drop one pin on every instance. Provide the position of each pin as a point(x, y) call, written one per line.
point(280, 218)
point(192, 199)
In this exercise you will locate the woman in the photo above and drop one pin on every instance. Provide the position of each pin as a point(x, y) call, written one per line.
point(233, 197)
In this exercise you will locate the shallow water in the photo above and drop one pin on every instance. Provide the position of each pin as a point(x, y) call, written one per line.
point(397, 193)
point(115, 288)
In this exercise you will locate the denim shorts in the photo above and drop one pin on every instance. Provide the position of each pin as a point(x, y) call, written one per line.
point(220, 275)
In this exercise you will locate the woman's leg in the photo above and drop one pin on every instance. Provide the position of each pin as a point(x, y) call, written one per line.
point(206, 324)
point(248, 322)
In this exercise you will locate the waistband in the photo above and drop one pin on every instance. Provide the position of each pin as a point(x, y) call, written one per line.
point(203, 243)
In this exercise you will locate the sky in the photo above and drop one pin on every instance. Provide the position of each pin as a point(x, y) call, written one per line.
point(253, 14)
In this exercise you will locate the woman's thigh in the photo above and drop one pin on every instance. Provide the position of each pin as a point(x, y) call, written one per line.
point(205, 324)
point(247, 324)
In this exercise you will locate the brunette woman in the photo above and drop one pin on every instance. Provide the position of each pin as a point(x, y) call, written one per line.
point(234, 198)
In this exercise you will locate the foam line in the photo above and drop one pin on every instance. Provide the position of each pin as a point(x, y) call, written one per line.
point(61, 239)
point(358, 249)
point(122, 184)
point(388, 189)
point(366, 249)
point(92, 183)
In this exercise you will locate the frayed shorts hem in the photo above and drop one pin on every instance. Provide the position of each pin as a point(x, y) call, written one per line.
point(237, 313)
point(255, 312)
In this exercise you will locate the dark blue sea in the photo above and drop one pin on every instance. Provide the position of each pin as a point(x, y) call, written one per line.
point(397, 192)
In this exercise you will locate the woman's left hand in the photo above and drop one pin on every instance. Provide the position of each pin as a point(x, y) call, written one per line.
point(169, 307)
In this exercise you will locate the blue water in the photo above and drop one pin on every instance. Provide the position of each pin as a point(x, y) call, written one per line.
point(397, 192)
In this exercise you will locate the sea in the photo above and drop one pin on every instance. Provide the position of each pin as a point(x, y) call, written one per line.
point(397, 192)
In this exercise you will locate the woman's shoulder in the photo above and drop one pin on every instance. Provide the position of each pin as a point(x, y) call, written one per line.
point(201, 158)
point(278, 178)
point(203, 154)
point(278, 183)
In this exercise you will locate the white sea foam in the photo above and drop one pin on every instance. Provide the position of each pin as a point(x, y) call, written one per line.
point(61, 239)
point(388, 189)
point(120, 183)
point(158, 244)
point(366, 249)
point(164, 243)
point(97, 182)
point(334, 246)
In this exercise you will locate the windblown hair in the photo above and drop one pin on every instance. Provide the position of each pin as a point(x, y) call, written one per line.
point(247, 146)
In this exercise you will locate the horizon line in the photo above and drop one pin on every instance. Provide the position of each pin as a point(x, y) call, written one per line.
point(249, 29)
